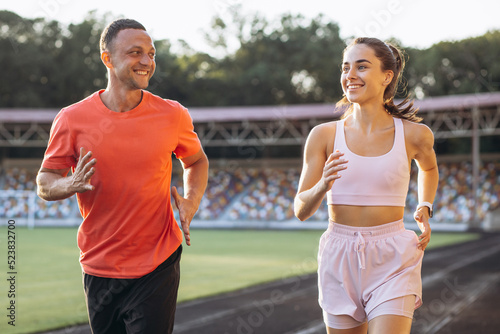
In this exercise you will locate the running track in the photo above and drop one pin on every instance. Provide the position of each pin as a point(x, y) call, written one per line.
point(461, 290)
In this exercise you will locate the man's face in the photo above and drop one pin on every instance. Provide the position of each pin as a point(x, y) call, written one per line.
point(132, 58)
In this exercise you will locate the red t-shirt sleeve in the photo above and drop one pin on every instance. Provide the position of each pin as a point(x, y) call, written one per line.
point(188, 141)
point(60, 153)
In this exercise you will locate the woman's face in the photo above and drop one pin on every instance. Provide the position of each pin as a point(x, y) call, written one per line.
point(362, 79)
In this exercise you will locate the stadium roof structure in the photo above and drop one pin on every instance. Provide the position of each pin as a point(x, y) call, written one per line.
point(329, 111)
point(269, 113)
point(448, 116)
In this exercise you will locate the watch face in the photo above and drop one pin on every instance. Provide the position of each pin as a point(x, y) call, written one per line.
point(431, 212)
point(428, 206)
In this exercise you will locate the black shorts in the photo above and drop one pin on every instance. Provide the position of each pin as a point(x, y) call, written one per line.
point(142, 305)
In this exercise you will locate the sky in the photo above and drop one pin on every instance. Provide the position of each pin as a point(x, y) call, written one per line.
point(415, 23)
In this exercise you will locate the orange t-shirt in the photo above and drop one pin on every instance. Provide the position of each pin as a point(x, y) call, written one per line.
point(128, 224)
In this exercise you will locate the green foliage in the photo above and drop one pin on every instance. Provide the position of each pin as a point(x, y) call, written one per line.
point(289, 61)
point(294, 63)
point(48, 65)
point(460, 67)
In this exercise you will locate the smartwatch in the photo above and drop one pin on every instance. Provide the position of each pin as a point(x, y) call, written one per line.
point(428, 205)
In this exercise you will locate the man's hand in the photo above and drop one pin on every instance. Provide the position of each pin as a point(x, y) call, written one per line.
point(54, 184)
point(187, 210)
point(80, 180)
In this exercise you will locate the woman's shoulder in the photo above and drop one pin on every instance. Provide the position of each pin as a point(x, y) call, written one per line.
point(322, 135)
point(324, 130)
point(417, 133)
point(325, 127)
point(416, 128)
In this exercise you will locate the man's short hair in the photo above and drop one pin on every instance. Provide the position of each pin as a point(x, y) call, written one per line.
point(111, 31)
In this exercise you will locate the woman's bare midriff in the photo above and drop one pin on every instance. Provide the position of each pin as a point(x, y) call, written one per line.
point(364, 216)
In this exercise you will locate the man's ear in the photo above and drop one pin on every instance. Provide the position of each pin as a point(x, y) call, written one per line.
point(106, 59)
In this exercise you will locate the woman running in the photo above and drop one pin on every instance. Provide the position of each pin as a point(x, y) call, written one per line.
point(368, 263)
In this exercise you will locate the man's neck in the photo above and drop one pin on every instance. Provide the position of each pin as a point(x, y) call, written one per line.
point(121, 100)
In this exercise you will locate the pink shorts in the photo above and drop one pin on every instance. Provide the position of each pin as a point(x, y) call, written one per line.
point(361, 269)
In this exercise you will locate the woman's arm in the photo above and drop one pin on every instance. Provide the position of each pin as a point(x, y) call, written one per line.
point(319, 172)
point(422, 144)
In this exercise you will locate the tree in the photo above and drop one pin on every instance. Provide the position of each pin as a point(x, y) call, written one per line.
point(294, 62)
point(28, 47)
point(79, 62)
point(259, 62)
point(47, 65)
point(460, 67)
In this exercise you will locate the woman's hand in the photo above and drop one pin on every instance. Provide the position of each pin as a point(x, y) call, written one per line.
point(333, 165)
point(421, 216)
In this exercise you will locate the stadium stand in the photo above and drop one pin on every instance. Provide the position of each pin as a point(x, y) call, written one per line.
point(469, 186)
point(19, 186)
point(250, 194)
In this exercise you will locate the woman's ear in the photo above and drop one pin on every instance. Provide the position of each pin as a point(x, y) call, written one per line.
point(389, 75)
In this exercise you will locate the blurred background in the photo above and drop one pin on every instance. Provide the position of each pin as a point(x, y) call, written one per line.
point(256, 80)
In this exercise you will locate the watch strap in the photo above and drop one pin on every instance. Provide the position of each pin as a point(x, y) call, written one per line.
point(428, 205)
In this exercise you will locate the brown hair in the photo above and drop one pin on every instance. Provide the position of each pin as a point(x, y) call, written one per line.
point(111, 31)
point(392, 59)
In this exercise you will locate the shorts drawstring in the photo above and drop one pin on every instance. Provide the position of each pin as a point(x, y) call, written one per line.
point(358, 235)
point(360, 249)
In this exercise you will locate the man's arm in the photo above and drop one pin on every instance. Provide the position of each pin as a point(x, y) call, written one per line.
point(195, 182)
point(54, 184)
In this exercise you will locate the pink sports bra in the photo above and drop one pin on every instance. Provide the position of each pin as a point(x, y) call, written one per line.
point(372, 181)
